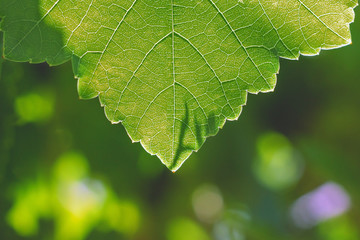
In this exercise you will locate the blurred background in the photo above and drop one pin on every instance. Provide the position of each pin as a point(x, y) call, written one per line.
point(287, 169)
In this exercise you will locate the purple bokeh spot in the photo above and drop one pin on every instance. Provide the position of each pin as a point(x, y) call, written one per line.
point(327, 201)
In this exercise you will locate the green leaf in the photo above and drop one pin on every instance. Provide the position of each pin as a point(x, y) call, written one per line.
point(172, 71)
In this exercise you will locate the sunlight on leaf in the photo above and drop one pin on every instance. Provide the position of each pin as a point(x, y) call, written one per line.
point(172, 71)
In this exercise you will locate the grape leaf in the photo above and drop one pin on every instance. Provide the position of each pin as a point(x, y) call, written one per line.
point(172, 71)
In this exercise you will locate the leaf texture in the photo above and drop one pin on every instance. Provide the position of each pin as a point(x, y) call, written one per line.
point(172, 71)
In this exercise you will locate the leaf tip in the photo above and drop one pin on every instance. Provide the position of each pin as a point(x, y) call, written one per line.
point(115, 122)
point(85, 90)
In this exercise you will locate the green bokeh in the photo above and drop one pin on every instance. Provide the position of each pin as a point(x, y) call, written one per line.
point(278, 165)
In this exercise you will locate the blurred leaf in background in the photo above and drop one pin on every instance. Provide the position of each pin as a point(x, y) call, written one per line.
point(278, 165)
point(75, 202)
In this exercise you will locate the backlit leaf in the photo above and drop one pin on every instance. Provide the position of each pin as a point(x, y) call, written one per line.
point(172, 71)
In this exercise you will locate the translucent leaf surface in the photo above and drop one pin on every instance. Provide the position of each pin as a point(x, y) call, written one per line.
point(172, 71)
